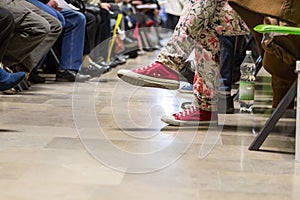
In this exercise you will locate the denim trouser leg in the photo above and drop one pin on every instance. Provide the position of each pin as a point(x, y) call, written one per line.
point(227, 61)
point(73, 40)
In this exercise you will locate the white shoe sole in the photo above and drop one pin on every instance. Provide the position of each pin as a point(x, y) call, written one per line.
point(169, 119)
point(185, 91)
point(147, 81)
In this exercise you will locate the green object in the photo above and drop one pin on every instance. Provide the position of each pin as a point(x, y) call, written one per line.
point(265, 28)
point(247, 90)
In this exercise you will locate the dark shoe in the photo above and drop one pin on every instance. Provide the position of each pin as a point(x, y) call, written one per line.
point(120, 60)
point(34, 77)
point(10, 80)
point(23, 85)
point(11, 91)
point(110, 64)
point(71, 76)
point(188, 72)
point(94, 70)
point(225, 104)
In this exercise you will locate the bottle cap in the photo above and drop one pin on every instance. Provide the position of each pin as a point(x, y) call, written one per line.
point(249, 52)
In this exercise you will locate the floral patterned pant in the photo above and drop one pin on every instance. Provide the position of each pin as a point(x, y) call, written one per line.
point(198, 29)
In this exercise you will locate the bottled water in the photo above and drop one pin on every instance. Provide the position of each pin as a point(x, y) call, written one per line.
point(247, 83)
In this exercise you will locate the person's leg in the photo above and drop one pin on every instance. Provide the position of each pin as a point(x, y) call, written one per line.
point(224, 21)
point(93, 23)
point(49, 10)
point(6, 28)
point(225, 100)
point(217, 19)
point(30, 30)
point(10, 80)
point(90, 35)
point(73, 40)
point(7, 80)
point(282, 70)
point(100, 50)
point(172, 21)
point(34, 75)
point(163, 72)
point(55, 29)
point(192, 25)
point(105, 24)
point(72, 47)
point(227, 62)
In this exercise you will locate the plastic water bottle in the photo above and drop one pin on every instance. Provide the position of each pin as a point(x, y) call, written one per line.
point(247, 83)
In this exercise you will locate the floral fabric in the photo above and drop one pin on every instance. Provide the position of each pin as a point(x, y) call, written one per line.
point(198, 29)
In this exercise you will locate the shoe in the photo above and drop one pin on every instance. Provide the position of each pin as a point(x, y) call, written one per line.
point(11, 91)
point(225, 104)
point(23, 85)
point(149, 23)
point(186, 105)
point(110, 64)
point(10, 80)
point(154, 75)
point(186, 88)
point(34, 77)
point(71, 76)
point(94, 70)
point(188, 72)
point(190, 117)
point(120, 60)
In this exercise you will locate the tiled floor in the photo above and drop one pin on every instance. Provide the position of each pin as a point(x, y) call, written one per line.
point(103, 140)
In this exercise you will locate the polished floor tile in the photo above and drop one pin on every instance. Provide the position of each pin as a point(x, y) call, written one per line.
point(104, 140)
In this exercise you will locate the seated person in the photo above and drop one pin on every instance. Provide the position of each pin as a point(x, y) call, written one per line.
point(28, 45)
point(72, 40)
point(198, 29)
point(279, 53)
point(7, 80)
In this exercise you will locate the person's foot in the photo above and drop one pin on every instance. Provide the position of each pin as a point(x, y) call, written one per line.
point(186, 88)
point(191, 117)
point(154, 75)
point(34, 77)
point(71, 76)
point(10, 80)
point(94, 70)
point(225, 104)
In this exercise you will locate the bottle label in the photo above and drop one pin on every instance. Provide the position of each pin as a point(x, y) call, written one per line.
point(246, 90)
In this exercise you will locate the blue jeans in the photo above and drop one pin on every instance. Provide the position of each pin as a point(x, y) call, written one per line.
point(227, 62)
point(73, 23)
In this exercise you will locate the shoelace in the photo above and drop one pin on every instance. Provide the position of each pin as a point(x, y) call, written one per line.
point(186, 112)
point(146, 67)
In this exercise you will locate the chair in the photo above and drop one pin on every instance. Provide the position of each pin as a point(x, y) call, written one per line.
point(288, 98)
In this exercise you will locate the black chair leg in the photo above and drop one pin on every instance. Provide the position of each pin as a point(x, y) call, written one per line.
point(274, 118)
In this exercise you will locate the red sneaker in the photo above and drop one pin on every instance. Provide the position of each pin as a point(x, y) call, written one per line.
point(191, 116)
point(149, 23)
point(154, 75)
